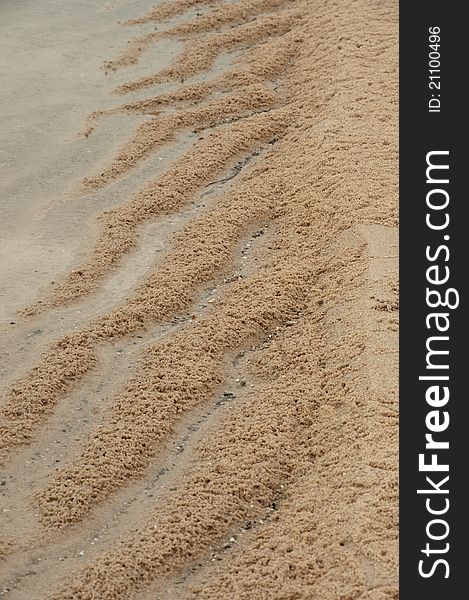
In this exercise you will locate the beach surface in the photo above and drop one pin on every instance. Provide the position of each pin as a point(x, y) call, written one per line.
point(198, 300)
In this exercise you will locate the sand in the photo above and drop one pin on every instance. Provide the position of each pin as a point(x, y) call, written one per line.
point(200, 329)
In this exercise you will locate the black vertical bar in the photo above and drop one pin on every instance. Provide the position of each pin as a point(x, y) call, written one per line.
point(421, 411)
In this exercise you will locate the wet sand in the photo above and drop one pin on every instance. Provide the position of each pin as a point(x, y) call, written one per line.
point(199, 300)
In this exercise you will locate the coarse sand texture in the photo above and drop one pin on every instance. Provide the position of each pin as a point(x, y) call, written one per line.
point(219, 418)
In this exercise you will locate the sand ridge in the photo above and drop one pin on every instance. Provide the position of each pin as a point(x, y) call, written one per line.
point(200, 54)
point(291, 491)
point(223, 15)
point(202, 164)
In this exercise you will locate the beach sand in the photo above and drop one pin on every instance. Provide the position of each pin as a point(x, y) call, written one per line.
point(199, 300)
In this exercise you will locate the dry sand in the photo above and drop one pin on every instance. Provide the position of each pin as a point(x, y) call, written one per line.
point(199, 300)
